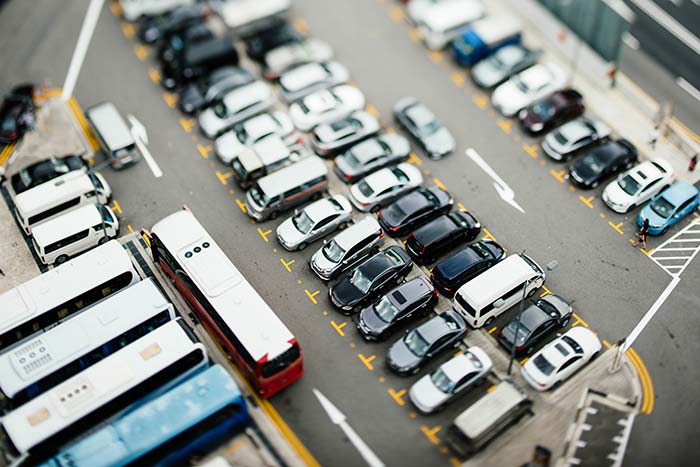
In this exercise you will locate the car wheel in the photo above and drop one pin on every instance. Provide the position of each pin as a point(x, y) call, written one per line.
point(102, 240)
point(565, 323)
point(301, 246)
point(375, 209)
point(274, 214)
point(489, 321)
point(316, 196)
point(61, 259)
point(665, 229)
point(630, 208)
point(595, 184)
point(342, 225)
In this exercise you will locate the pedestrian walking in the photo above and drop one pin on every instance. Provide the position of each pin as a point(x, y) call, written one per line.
point(654, 137)
point(2, 273)
point(642, 235)
point(693, 162)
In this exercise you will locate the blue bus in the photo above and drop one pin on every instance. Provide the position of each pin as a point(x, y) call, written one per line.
point(188, 420)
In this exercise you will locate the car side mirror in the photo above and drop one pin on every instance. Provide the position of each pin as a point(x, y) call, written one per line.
point(499, 303)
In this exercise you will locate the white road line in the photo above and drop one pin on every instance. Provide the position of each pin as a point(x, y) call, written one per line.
point(650, 314)
point(504, 191)
point(630, 41)
point(338, 418)
point(76, 63)
point(138, 131)
point(687, 87)
point(665, 20)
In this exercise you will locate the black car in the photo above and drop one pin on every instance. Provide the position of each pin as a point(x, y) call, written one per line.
point(436, 237)
point(45, 170)
point(449, 274)
point(258, 45)
point(17, 113)
point(372, 277)
point(537, 321)
point(151, 29)
point(199, 59)
point(602, 162)
point(173, 44)
point(197, 96)
point(404, 303)
point(414, 209)
point(444, 331)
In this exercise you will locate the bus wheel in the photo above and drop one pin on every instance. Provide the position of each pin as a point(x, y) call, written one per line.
point(61, 259)
point(103, 240)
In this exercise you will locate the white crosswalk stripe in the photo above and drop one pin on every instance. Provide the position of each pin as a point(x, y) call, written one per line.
point(676, 253)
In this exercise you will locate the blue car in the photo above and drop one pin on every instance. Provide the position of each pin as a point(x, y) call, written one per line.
point(669, 207)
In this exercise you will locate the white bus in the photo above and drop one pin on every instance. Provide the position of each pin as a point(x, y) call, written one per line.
point(59, 195)
point(139, 371)
point(74, 232)
point(50, 298)
point(230, 308)
point(40, 363)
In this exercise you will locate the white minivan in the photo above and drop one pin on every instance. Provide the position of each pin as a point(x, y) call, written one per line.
point(74, 232)
point(442, 22)
point(484, 298)
point(58, 196)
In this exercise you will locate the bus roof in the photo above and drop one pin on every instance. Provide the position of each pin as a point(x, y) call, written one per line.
point(109, 123)
point(292, 176)
point(253, 322)
point(71, 184)
point(488, 286)
point(67, 224)
point(63, 283)
point(491, 407)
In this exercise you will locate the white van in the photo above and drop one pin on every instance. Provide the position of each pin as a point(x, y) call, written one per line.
point(246, 17)
point(132, 10)
point(286, 188)
point(492, 292)
point(114, 135)
point(444, 21)
point(74, 232)
point(60, 195)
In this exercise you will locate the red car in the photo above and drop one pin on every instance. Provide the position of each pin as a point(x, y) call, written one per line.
point(552, 111)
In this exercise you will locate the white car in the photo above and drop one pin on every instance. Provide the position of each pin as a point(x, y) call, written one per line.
point(384, 186)
point(561, 358)
point(286, 57)
point(326, 106)
point(439, 22)
point(328, 139)
point(248, 132)
point(638, 185)
point(563, 143)
point(316, 220)
point(526, 87)
point(245, 17)
point(452, 378)
point(236, 106)
point(135, 9)
point(305, 79)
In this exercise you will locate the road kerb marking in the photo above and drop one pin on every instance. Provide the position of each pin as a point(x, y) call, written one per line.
point(439, 183)
point(286, 264)
point(142, 51)
point(487, 235)
point(435, 56)
point(223, 177)
point(455, 462)
point(546, 291)
point(241, 205)
point(372, 110)
point(505, 124)
point(367, 360)
point(587, 201)
point(128, 30)
point(397, 396)
point(204, 150)
point(481, 101)
point(493, 329)
point(606, 344)
point(154, 75)
point(578, 321)
point(558, 175)
point(414, 34)
point(461, 207)
point(647, 386)
point(187, 123)
point(312, 296)
point(431, 432)
point(457, 78)
point(131, 229)
point(339, 327)
point(524, 360)
point(264, 234)
point(116, 207)
point(491, 388)
point(396, 13)
point(531, 149)
point(616, 227)
point(414, 159)
point(170, 99)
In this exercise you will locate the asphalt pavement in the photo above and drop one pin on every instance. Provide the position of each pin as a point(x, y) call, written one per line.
point(611, 283)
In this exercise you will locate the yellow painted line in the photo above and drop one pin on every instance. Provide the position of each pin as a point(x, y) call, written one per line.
point(602, 216)
point(142, 51)
point(461, 206)
point(170, 99)
point(6, 153)
point(223, 177)
point(116, 207)
point(444, 449)
point(647, 252)
point(264, 234)
point(396, 13)
point(439, 183)
point(312, 296)
point(154, 75)
point(516, 138)
point(128, 30)
point(300, 25)
point(339, 327)
point(431, 432)
point(694, 136)
point(531, 149)
point(493, 329)
point(458, 78)
point(491, 388)
point(541, 162)
point(487, 234)
point(616, 227)
point(204, 150)
point(414, 34)
point(372, 110)
point(381, 379)
point(131, 229)
point(524, 360)
point(647, 385)
point(187, 123)
point(412, 415)
point(414, 159)
point(435, 56)
point(286, 264)
point(367, 360)
point(571, 188)
point(481, 101)
point(426, 171)
point(587, 201)
point(558, 175)
point(546, 291)
point(505, 125)
point(455, 462)
point(241, 205)
point(235, 446)
point(230, 192)
point(115, 8)
point(397, 396)
point(82, 121)
point(390, 130)
point(578, 321)
point(606, 344)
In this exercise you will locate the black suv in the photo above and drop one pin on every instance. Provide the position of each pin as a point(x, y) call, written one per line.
point(433, 239)
point(449, 274)
point(414, 209)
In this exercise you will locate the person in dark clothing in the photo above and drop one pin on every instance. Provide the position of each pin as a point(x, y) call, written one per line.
point(642, 235)
point(692, 163)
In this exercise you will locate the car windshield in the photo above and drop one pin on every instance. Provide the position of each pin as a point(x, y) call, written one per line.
point(543, 365)
point(333, 251)
point(360, 281)
point(302, 222)
point(543, 109)
point(220, 109)
point(442, 382)
point(394, 211)
point(662, 207)
point(520, 84)
point(430, 128)
point(523, 331)
point(596, 162)
point(628, 184)
point(352, 160)
point(561, 139)
point(258, 196)
point(365, 189)
point(416, 344)
point(385, 310)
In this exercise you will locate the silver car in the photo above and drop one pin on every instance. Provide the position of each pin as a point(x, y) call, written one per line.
point(329, 138)
point(236, 106)
point(316, 220)
point(305, 79)
point(563, 143)
point(248, 132)
point(451, 379)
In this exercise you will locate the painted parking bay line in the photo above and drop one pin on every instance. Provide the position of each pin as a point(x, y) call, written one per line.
point(503, 190)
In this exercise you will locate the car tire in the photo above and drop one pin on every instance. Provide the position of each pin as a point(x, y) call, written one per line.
point(595, 184)
point(489, 321)
point(61, 259)
point(665, 229)
point(342, 225)
point(102, 240)
point(375, 209)
point(630, 208)
point(316, 196)
point(273, 215)
point(301, 246)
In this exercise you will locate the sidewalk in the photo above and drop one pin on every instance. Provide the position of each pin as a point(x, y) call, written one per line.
point(626, 108)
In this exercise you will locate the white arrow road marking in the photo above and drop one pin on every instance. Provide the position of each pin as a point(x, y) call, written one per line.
point(504, 191)
point(338, 418)
point(138, 131)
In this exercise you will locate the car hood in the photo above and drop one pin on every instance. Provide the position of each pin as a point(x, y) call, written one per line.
point(345, 293)
point(228, 146)
point(209, 122)
point(616, 194)
point(426, 394)
point(487, 75)
point(401, 357)
point(289, 233)
point(508, 98)
point(190, 98)
point(583, 171)
point(325, 133)
point(440, 142)
point(321, 262)
point(372, 322)
point(655, 221)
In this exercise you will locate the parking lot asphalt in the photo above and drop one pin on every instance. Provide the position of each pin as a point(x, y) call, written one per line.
point(611, 283)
